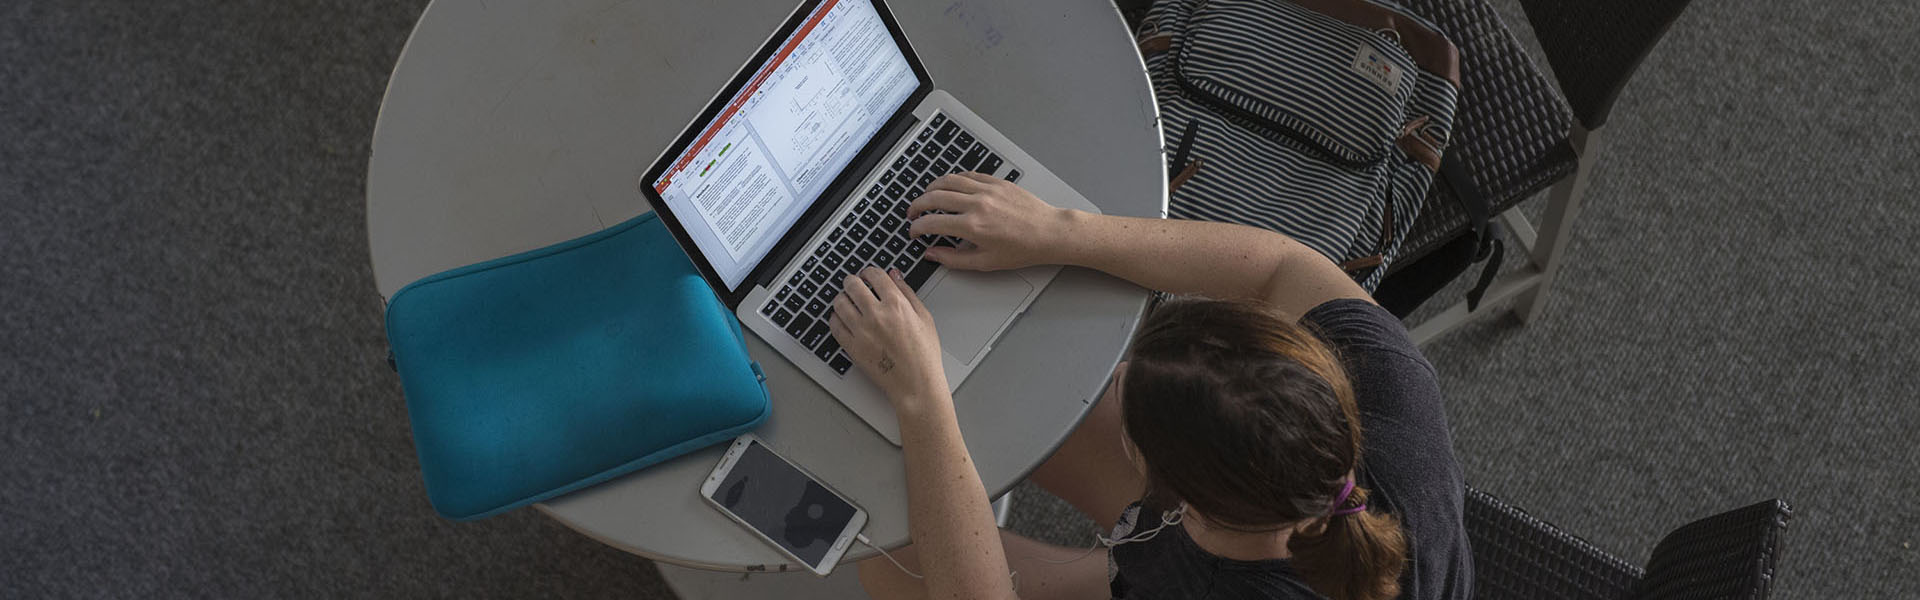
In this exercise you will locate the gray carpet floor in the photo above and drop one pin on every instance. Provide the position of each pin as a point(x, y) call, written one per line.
point(194, 402)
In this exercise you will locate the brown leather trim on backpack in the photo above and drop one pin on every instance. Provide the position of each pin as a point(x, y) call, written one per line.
point(1379, 255)
point(1429, 48)
point(1364, 262)
point(1185, 174)
point(1417, 143)
point(1156, 44)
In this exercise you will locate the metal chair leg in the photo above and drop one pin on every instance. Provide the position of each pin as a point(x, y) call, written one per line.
point(1556, 227)
point(1527, 289)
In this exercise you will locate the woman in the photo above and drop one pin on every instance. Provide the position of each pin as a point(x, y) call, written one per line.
point(1228, 454)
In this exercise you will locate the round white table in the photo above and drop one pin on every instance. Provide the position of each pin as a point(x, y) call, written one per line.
point(511, 125)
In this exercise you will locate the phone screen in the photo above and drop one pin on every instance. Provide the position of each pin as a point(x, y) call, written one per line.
point(783, 504)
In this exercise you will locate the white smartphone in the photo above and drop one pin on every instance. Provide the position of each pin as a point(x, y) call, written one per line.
point(785, 505)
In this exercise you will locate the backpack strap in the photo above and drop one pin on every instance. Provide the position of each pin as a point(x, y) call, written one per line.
point(1488, 244)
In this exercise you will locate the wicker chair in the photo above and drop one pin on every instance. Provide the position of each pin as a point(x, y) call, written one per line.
point(1730, 555)
point(1515, 136)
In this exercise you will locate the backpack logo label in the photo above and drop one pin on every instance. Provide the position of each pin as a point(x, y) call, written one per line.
point(1374, 66)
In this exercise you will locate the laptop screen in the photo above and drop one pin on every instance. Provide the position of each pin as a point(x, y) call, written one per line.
point(770, 153)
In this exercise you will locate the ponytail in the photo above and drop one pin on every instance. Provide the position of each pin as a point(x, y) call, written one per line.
point(1356, 556)
point(1282, 438)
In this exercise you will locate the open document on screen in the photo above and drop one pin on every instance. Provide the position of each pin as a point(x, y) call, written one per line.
point(776, 144)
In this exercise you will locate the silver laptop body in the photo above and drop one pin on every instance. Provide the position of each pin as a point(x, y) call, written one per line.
point(815, 86)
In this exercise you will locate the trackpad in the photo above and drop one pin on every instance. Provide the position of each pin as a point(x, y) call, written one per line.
point(969, 307)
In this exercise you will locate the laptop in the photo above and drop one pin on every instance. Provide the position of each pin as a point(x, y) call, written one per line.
point(799, 173)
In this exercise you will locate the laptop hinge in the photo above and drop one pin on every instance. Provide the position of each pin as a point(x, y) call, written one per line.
point(783, 253)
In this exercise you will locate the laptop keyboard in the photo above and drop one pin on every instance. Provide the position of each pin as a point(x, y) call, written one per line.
point(875, 233)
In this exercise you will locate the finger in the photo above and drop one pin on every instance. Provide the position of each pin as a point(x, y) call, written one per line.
point(844, 334)
point(958, 182)
point(982, 178)
point(839, 329)
point(942, 200)
point(954, 225)
point(900, 282)
point(882, 285)
point(843, 307)
point(860, 294)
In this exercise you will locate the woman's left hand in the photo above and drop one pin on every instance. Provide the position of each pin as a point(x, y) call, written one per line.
point(889, 334)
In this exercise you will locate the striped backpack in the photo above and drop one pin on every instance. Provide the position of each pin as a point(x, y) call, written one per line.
point(1321, 119)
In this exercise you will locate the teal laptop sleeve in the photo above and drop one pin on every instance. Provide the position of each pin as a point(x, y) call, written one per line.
point(538, 374)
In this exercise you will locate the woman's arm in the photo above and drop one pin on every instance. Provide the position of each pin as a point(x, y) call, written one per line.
point(1010, 228)
point(890, 335)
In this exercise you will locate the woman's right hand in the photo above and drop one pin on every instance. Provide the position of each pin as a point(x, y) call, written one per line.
point(1005, 227)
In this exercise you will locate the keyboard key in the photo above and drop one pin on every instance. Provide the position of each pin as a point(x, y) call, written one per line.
point(900, 208)
point(903, 262)
point(920, 273)
point(794, 302)
point(874, 192)
point(952, 154)
point(916, 248)
point(807, 289)
point(938, 120)
point(769, 308)
point(781, 316)
point(827, 348)
point(955, 169)
point(990, 164)
point(844, 246)
point(867, 250)
point(879, 236)
point(913, 148)
point(820, 276)
point(868, 219)
point(812, 261)
point(858, 232)
point(799, 325)
point(931, 151)
point(840, 363)
point(900, 163)
point(894, 244)
point(925, 133)
point(1013, 175)
point(830, 261)
point(946, 133)
point(814, 334)
point(896, 191)
point(892, 223)
point(816, 307)
point(973, 157)
point(919, 163)
point(965, 140)
point(927, 179)
point(862, 205)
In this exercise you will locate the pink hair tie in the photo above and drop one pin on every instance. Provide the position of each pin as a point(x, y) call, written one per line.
point(1345, 490)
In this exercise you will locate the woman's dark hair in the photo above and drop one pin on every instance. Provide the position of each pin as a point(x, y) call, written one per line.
point(1250, 420)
